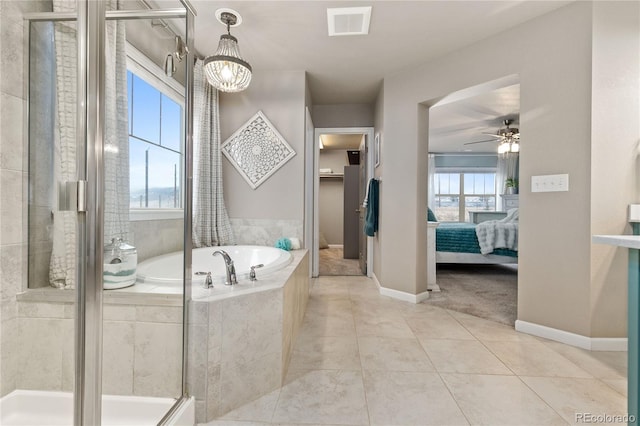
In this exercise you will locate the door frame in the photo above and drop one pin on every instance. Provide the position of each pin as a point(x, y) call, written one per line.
point(312, 219)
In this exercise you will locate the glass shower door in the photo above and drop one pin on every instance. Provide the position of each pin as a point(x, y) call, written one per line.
point(144, 204)
point(83, 249)
point(46, 339)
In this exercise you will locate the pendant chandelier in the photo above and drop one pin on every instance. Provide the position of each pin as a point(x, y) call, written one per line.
point(226, 70)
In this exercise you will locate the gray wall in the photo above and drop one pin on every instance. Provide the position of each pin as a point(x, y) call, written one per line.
point(346, 115)
point(615, 171)
point(331, 195)
point(560, 284)
point(281, 97)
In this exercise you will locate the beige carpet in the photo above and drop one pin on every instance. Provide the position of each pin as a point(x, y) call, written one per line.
point(486, 291)
point(332, 263)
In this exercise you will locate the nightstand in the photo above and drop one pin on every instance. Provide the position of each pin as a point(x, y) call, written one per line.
point(484, 215)
point(509, 201)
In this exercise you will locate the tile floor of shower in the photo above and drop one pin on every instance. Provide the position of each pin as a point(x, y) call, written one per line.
point(362, 358)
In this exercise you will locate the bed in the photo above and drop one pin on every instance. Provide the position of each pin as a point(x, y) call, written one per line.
point(457, 242)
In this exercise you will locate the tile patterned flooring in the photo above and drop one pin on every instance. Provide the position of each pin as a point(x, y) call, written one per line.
point(366, 359)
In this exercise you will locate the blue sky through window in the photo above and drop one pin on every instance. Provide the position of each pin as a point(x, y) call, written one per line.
point(155, 142)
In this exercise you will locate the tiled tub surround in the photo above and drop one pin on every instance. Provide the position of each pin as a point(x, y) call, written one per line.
point(240, 347)
point(265, 232)
point(156, 237)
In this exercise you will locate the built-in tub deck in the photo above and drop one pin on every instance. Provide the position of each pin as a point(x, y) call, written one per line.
point(226, 369)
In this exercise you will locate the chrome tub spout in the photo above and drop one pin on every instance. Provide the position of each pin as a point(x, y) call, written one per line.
point(231, 269)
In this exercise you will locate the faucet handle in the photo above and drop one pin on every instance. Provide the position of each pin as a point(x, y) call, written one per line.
point(208, 281)
point(252, 274)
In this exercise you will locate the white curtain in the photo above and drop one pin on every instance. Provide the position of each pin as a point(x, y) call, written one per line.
point(116, 144)
point(507, 166)
point(62, 270)
point(211, 225)
point(431, 193)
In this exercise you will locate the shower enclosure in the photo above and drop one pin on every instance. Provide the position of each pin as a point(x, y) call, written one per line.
point(109, 89)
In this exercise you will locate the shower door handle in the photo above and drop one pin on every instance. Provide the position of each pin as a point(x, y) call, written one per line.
point(72, 196)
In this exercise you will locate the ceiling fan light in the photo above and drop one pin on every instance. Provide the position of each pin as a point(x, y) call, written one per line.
point(515, 147)
point(503, 148)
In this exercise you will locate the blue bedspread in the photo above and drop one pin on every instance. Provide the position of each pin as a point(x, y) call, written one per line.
point(460, 237)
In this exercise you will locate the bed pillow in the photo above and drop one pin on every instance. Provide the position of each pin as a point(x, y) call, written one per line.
point(431, 217)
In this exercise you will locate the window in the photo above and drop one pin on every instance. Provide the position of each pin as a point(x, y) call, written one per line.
point(155, 136)
point(460, 191)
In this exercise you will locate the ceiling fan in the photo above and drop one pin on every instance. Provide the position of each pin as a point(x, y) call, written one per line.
point(508, 138)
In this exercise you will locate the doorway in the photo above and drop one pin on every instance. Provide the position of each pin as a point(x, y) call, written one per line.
point(473, 173)
point(342, 168)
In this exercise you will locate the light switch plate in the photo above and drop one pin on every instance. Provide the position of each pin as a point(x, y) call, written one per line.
point(550, 183)
point(634, 212)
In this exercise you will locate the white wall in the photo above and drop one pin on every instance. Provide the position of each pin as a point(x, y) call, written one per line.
point(553, 57)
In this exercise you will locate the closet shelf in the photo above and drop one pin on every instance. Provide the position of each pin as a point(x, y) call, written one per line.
point(331, 175)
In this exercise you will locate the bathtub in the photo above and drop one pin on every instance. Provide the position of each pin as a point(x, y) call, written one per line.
point(56, 408)
point(166, 270)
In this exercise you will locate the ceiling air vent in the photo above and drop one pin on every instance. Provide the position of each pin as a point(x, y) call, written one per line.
point(348, 20)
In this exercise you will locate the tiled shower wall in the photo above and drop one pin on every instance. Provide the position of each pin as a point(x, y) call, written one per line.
point(142, 347)
point(13, 179)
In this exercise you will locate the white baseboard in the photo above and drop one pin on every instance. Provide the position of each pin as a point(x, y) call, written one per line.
point(375, 280)
point(336, 245)
point(433, 287)
point(400, 295)
point(617, 344)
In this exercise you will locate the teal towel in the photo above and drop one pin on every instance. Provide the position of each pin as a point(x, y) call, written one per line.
point(284, 244)
point(371, 218)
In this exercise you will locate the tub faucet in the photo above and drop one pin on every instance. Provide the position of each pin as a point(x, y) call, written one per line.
point(231, 269)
